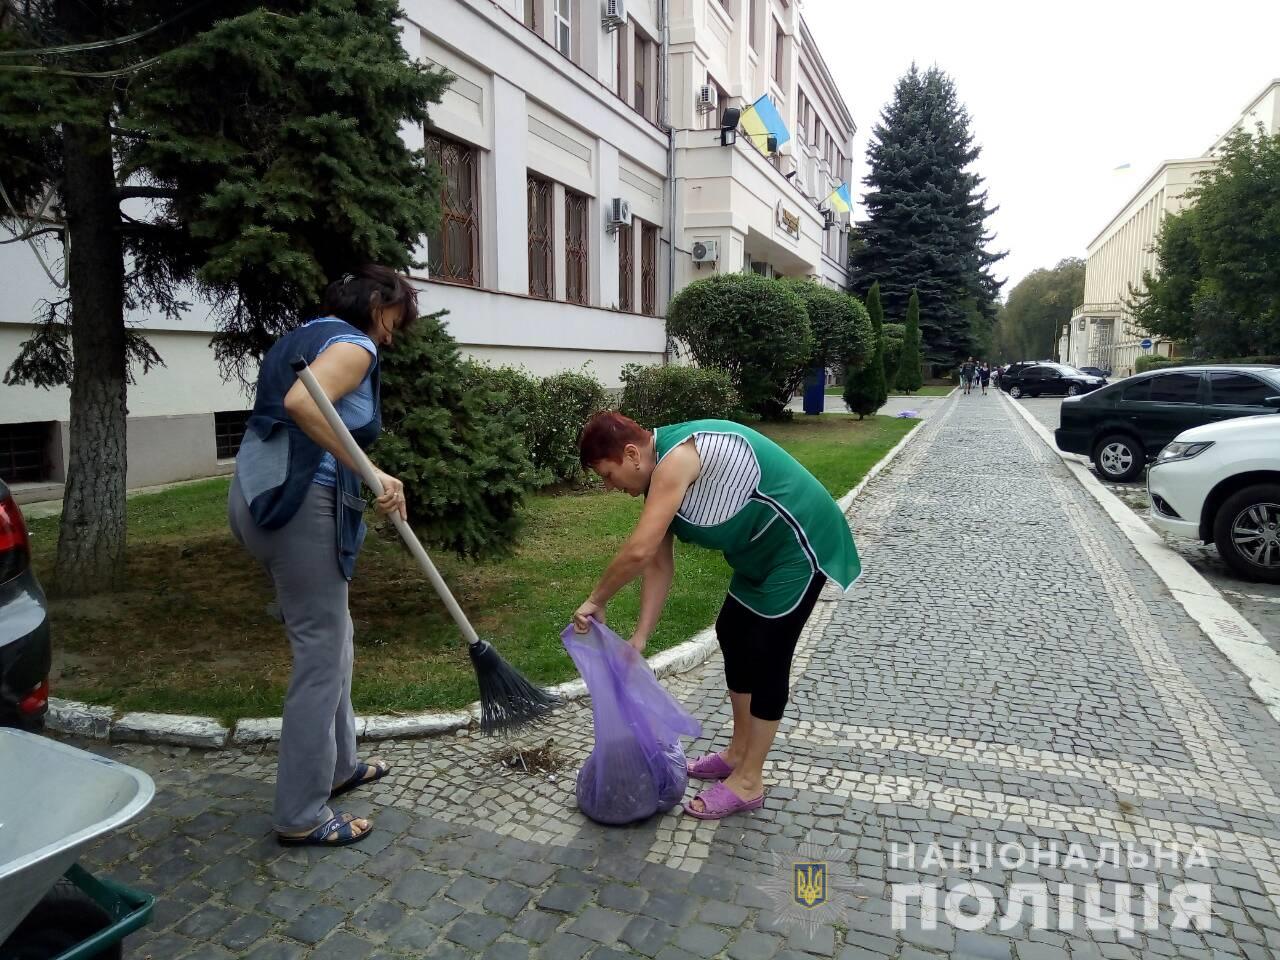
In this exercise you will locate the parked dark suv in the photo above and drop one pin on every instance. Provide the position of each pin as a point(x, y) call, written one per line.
point(25, 653)
point(1048, 380)
point(1123, 426)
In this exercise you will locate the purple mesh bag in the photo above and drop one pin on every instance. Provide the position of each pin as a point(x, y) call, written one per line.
point(637, 766)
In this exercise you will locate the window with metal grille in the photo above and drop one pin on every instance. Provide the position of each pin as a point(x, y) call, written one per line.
point(453, 251)
point(24, 452)
point(576, 283)
point(542, 264)
point(228, 431)
point(626, 269)
point(649, 270)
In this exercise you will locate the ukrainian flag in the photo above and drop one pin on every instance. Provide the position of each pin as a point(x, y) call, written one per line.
point(761, 119)
point(840, 199)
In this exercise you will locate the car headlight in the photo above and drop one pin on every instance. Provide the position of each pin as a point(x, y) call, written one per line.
point(1179, 450)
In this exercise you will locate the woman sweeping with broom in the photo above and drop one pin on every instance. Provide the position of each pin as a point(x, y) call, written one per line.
point(724, 486)
point(295, 506)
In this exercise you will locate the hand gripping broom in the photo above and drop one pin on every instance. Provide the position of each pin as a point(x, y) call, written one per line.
point(507, 699)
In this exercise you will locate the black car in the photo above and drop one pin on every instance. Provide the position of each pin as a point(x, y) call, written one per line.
point(1123, 426)
point(25, 652)
point(1048, 380)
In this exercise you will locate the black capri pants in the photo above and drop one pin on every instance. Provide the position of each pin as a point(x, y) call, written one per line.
point(758, 650)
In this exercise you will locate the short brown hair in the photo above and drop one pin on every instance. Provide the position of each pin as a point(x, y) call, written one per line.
point(606, 436)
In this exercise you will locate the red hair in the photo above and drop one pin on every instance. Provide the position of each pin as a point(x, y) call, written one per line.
point(606, 436)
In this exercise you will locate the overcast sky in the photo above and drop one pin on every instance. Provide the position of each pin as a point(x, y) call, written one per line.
point(1059, 95)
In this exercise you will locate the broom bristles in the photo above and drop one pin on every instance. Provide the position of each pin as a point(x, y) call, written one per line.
point(507, 699)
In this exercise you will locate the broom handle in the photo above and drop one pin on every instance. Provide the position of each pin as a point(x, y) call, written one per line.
point(366, 471)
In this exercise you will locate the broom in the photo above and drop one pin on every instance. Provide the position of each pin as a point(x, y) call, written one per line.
point(507, 699)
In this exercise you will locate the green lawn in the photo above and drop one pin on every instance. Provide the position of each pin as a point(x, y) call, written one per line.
point(932, 390)
point(191, 634)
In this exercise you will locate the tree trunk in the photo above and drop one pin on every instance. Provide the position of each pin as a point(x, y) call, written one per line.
point(91, 540)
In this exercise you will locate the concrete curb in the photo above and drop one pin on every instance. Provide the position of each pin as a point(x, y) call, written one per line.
point(1233, 635)
point(100, 723)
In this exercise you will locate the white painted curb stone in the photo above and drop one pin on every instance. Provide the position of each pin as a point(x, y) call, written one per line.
point(68, 716)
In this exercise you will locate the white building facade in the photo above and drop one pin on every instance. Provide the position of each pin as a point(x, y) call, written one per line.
point(1101, 332)
point(561, 117)
point(756, 211)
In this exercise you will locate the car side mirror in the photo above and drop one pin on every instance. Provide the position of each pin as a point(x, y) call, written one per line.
point(1272, 402)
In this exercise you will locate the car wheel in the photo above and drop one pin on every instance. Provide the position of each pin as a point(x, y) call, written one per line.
point(1016, 392)
point(1118, 457)
point(1247, 532)
point(1073, 391)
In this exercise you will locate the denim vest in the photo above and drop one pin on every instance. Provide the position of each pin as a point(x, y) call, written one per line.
point(277, 461)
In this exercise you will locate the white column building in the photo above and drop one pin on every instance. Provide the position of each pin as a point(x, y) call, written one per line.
point(1101, 332)
point(742, 208)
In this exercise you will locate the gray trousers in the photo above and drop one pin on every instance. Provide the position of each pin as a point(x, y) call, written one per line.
point(318, 741)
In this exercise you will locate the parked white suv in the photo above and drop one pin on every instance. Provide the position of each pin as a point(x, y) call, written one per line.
point(1221, 482)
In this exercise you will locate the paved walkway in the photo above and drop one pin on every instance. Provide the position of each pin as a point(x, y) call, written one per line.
point(1259, 603)
point(1006, 671)
point(919, 406)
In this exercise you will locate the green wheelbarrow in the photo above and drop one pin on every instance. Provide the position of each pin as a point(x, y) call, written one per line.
point(54, 801)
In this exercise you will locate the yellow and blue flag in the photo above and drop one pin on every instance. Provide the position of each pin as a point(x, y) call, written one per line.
point(761, 119)
point(840, 199)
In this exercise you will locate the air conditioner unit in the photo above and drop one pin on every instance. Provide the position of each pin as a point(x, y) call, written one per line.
point(706, 251)
point(614, 14)
point(618, 214)
point(708, 99)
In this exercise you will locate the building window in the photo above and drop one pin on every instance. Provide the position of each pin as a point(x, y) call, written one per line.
point(619, 86)
point(752, 32)
point(640, 70)
point(453, 251)
point(531, 14)
point(576, 285)
point(542, 264)
point(777, 51)
point(24, 452)
point(649, 270)
point(626, 269)
point(562, 24)
point(228, 431)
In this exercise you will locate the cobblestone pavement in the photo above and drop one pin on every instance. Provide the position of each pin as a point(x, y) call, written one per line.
point(1259, 603)
point(1005, 671)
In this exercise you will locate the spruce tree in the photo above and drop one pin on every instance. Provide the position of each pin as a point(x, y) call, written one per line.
point(926, 214)
point(241, 151)
point(907, 379)
point(865, 390)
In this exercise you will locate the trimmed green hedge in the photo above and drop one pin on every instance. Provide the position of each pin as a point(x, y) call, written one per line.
point(752, 327)
point(654, 396)
point(548, 412)
point(1144, 363)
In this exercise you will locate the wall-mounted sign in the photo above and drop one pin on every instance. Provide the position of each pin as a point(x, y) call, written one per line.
point(787, 220)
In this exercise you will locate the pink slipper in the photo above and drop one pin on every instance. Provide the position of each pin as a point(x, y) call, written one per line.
point(709, 767)
point(719, 801)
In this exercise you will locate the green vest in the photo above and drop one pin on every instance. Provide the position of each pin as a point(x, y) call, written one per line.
point(789, 529)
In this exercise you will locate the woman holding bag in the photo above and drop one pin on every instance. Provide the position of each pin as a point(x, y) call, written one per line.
point(295, 506)
point(726, 487)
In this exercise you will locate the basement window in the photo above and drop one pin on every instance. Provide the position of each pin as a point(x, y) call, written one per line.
point(24, 452)
point(228, 431)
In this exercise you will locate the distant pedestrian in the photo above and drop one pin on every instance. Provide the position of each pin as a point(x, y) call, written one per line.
point(985, 376)
point(967, 372)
